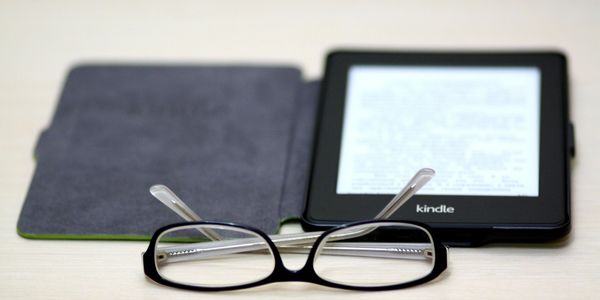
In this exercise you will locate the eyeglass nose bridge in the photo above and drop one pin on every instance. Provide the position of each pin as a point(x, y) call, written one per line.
point(304, 274)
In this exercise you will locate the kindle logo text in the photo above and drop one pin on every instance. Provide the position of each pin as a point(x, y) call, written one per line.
point(441, 209)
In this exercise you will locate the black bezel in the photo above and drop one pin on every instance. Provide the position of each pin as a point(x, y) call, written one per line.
point(542, 217)
point(281, 273)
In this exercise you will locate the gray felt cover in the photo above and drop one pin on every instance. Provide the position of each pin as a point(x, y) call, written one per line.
point(233, 142)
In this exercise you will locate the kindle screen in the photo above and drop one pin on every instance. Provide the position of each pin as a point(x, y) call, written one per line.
point(478, 127)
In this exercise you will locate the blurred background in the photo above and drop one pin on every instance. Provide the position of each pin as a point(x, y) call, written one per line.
point(41, 40)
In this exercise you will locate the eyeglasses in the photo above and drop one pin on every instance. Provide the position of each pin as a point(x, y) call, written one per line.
point(369, 255)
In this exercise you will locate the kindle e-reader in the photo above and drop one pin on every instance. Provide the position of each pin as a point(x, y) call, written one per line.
point(494, 127)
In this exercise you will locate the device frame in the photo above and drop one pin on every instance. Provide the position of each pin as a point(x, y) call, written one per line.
point(476, 219)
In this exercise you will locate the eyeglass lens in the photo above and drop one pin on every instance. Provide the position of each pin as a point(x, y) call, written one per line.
point(185, 255)
point(375, 254)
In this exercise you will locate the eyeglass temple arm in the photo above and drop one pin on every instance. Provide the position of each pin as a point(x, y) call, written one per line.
point(173, 202)
point(419, 180)
point(170, 199)
point(172, 254)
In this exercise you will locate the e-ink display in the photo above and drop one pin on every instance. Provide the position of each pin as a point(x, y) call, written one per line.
point(478, 127)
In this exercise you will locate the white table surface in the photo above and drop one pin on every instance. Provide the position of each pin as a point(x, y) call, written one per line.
point(40, 40)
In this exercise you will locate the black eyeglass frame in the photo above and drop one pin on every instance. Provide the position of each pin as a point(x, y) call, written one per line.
point(282, 274)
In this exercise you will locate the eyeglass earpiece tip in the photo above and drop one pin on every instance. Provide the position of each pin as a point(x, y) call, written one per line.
point(427, 171)
point(157, 188)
